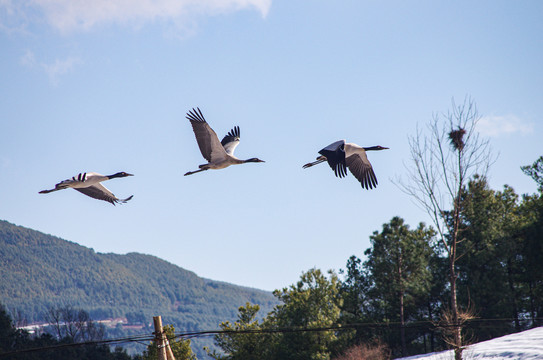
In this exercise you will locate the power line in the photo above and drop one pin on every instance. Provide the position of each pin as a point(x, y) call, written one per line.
point(430, 325)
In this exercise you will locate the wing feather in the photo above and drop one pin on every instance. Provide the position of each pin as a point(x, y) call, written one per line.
point(208, 142)
point(361, 169)
point(335, 155)
point(231, 140)
point(100, 192)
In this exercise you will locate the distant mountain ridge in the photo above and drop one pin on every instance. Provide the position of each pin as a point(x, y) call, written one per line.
point(40, 271)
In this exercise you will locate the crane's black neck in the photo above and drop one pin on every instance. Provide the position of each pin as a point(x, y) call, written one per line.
point(252, 160)
point(119, 175)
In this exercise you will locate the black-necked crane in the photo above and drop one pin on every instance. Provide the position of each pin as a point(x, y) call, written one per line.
point(341, 155)
point(219, 154)
point(90, 184)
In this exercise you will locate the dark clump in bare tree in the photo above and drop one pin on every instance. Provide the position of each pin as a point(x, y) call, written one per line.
point(457, 138)
point(437, 174)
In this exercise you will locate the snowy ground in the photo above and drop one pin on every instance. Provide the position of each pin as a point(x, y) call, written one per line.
point(526, 345)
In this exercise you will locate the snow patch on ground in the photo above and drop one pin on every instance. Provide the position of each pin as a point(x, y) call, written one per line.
point(526, 345)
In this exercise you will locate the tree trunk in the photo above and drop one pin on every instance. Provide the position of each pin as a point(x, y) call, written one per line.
point(457, 328)
point(432, 336)
point(402, 322)
point(402, 294)
point(513, 293)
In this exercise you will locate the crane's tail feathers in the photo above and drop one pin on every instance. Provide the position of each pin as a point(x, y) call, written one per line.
point(122, 201)
point(319, 160)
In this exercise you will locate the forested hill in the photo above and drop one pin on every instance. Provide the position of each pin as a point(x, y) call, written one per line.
point(39, 271)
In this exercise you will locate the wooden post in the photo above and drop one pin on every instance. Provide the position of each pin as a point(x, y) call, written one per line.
point(159, 338)
point(169, 351)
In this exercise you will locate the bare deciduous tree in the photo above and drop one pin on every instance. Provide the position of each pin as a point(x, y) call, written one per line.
point(441, 164)
point(75, 324)
point(54, 318)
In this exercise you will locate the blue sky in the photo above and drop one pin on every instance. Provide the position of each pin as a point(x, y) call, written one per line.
point(104, 86)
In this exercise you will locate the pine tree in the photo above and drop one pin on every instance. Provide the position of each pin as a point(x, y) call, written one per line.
point(242, 339)
point(398, 263)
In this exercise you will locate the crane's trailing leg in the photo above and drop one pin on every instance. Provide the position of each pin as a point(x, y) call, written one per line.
point(48, 191)
point(194, 172)
point(59, 186)
point(319, 160)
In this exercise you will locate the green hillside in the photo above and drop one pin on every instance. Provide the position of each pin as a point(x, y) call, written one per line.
point(40, 271)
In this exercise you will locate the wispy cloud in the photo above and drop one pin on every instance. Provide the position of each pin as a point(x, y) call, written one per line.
point(495, 126)
point(53, 70)
point(78, 15)
point(12, 17)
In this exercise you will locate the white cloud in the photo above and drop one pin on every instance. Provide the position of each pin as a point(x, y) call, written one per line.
point(70, 15)
point(495, 126)
point(12, 17)
point(60, 67)
point(28, 59)
point(53, 70)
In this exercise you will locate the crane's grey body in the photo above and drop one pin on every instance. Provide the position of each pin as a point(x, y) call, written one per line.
point(341, 155)
point(89, 183)
point(219, 154)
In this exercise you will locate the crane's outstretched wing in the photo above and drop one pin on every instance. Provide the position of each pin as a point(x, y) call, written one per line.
point(335, 155)
point(207, 139)
point(361, 168)
point(231, 140)
point(100, 192)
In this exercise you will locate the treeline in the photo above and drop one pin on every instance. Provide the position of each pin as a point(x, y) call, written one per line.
point(397, 301)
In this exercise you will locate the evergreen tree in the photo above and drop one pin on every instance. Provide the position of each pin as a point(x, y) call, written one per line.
point(535, 171)
point(531, 253)
point(313, 302)
point(310, 304)
point(489, 270)
point(8, 335)
point(356, 308)
point(398, 262)
point(241, 340)
point(532, 247)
